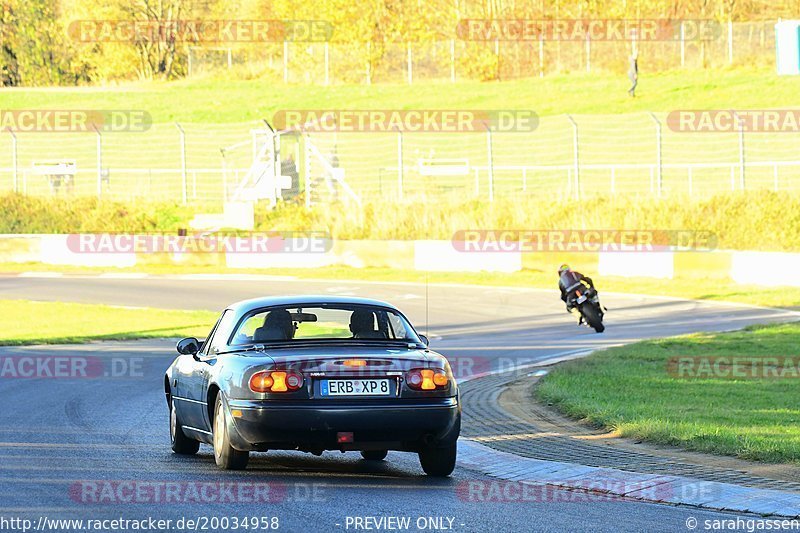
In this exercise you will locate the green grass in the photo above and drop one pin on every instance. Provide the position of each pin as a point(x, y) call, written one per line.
point(220, 100)
point(32, 322)
point(218, 113)
point(697, 288)
point(629, 390)
point(761, 220)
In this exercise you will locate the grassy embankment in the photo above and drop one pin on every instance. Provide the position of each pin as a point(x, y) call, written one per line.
point(634, 391)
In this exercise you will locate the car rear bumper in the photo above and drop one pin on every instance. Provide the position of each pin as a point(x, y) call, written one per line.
point(314, 426)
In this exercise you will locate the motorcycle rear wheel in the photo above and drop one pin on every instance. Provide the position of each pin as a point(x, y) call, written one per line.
point(593, 317)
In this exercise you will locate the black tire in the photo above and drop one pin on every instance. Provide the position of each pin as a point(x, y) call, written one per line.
point(181, 444)
point(375, 455)
point(438, 462)
point(592, 317)
point(225, 455)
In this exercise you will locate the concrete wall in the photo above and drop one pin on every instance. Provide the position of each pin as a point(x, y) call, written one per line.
point(754, 268)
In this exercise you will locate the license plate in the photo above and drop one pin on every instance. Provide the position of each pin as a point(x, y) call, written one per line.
point(581, 298)
point(355, 387)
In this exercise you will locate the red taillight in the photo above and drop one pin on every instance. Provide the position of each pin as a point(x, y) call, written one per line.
point(276, 381)
point(427, 379)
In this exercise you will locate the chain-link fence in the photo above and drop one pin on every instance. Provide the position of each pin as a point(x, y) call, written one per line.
point(323, 63)
point(565, 156)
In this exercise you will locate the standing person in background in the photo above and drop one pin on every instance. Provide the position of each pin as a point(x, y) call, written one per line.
point(633, 73)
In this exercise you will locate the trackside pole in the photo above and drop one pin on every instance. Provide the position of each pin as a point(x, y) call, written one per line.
point(659, 166)
point(183, 164)
point(490, 161)
point(307, 165)
point(99, 161)
point(741, 150)
point(575, 157)
point(399, 164)
point(14, 161)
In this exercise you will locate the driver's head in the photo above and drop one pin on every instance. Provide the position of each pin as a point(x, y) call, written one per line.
point(563, 268)
point(361, 321)
point(280, 319)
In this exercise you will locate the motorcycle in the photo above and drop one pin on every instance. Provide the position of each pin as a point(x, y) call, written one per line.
point(585, 300)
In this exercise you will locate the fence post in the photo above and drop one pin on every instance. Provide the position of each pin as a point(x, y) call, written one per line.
point(285, 61)
point(369, 63)
point(224, 176)
point(683, 45)
point(741, 149)
point(399, 164)
point(99, 161)
point(730, 42)
point(541, 55)
point(576, 160)
point(277, 171)
point(497, 55)
point(452, 61)
point(659, 175)
point(14, 162)
point(409, 66)
point(490, 161)
point(327, 65)
point(183, 163)
point(307, 166)
point(588, 53)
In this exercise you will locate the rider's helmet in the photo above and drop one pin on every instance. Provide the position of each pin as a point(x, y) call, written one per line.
point(563, 268)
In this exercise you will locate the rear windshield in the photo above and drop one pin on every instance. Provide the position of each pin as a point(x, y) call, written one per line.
point(323, 323)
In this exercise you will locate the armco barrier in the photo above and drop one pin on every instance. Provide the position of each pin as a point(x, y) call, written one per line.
point(765, 268)
point(742, 267)
point(637, 264)
point(442, 256)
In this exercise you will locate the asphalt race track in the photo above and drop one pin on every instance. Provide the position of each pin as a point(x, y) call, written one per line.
point(98, 448)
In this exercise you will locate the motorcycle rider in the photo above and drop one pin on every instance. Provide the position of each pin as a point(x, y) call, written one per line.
point(567, 278)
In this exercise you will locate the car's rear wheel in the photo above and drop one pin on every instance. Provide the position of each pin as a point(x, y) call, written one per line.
point(374, 455)
point(438, 462)
point(225, 455)
point(180, 442)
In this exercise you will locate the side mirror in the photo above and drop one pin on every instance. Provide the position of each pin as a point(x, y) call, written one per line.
point(425, 340)
point(188, 346)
